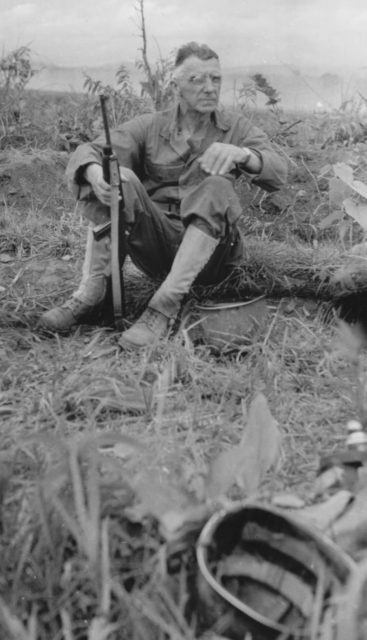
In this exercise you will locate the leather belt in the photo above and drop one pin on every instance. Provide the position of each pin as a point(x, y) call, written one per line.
point(172, 206)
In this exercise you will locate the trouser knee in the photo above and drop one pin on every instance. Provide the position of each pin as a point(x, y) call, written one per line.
point(130, 176)
point(213, 204)
point(136, 199)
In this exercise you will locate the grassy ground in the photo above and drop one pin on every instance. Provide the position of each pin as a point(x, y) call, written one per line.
point(80, 557)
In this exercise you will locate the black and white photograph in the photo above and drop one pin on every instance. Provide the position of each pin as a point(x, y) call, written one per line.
point(183, 320)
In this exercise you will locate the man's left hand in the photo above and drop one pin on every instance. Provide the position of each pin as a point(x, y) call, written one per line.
point(220, 158)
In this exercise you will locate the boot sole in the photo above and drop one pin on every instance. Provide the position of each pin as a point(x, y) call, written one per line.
point(131, 346)
point(51, 331)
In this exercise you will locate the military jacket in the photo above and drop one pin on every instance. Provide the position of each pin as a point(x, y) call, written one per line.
point(166, 162)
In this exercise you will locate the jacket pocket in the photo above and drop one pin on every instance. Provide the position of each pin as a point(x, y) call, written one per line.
point(164, 172)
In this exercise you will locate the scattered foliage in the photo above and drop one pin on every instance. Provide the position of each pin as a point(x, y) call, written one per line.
point(123, 103)
point(156, 84)
point(16, 70)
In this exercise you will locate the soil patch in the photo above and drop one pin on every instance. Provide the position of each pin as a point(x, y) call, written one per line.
point(33, 178)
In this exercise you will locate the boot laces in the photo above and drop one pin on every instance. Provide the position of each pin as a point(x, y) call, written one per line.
point(75, 305)
point(153, 319)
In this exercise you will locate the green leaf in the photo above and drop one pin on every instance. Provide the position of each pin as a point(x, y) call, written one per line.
point(349, 340)
point(328, 221)
point(247, 463)
point(324, 514)
point(159, 493)
point(287, 500)
point(360, 188)
point(344, 172)
point(357, 211)
point(261, 442)
point(338, 192)
point(343, 229)
point(175, 525)
point(223, 472)
point(324, 170)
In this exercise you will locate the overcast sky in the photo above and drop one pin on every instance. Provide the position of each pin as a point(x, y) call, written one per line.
point(326, 33)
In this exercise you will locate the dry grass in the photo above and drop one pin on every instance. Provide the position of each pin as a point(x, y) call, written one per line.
point(80, 558)
point(184, 404)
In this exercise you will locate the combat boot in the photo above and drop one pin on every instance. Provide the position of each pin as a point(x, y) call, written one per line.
point(90, 295)
point(147, 330)
point(193, 254)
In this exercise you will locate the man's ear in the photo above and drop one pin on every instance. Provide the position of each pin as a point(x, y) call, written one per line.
point(172, 82)
point(174, 86)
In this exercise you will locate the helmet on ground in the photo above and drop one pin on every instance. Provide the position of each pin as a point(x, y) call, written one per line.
point(267, 574)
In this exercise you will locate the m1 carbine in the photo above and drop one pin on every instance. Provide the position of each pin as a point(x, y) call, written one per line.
point(117, 224)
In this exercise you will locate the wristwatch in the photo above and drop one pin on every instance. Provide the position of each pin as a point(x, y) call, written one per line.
point(243, 166)
point(244, 162)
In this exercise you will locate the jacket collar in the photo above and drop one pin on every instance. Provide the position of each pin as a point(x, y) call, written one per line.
point(170, 118)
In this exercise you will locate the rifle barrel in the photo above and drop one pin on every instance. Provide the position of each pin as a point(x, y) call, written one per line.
point(103, 100)
point(107, 148)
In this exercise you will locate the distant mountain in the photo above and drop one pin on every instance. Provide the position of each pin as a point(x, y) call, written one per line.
point(310, 88)
point(51, 77)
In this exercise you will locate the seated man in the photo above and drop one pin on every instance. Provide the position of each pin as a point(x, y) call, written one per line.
point(177, 171)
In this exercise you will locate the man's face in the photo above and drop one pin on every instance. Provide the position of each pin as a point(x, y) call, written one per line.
point(198, 84)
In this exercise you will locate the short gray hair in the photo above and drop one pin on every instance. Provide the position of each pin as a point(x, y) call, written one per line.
point(201, 51)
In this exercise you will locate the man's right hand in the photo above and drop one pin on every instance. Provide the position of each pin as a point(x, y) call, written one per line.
point(102, 190)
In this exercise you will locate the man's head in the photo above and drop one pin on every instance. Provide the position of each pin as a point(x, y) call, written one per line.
point(197, 77)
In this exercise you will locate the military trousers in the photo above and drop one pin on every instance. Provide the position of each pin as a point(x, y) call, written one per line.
point(155, 229)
